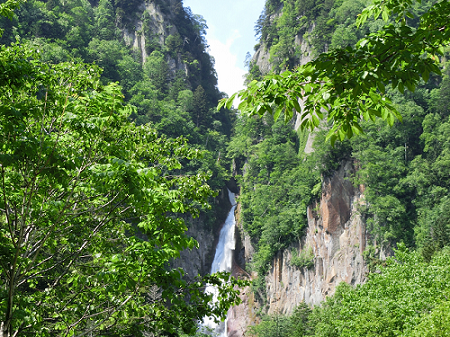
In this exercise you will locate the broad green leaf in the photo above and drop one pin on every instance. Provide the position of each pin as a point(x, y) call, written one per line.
point(277, 112)
point(229, 103)
point(381, 87)
point(297, 106)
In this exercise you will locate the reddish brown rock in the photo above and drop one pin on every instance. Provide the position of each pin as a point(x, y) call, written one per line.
point(243, 315)
point(337, 236)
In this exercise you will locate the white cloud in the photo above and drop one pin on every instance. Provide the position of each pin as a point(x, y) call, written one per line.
point(230, 75)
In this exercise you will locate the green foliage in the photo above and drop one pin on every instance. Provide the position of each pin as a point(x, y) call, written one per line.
point(436, 234)
point(381, 171)
point(436, 323)
point(104, 17)
point(349, 85)
point(277, 325)
point(284, 52)
point(303, 259)
point(156, 70)
point(276, 186)
point(394, 302)
point(126, 12)
point(174, 44)
point(372, 259)
point(254, 73)
point(7, 10)
point(80, 186)
point(295, 325)
point(107, 54)
point(200, 107)
point(402, 168)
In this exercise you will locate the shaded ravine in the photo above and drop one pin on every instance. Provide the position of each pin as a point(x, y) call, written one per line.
point(223, 261)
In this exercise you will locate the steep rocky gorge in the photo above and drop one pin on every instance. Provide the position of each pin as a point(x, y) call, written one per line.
point(337, 237)
point(198, 261)
point(335, 230)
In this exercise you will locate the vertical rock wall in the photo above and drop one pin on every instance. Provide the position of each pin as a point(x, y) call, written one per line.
point(199, 260)
point(262, 57)
point(336, 235)
point(161, 25)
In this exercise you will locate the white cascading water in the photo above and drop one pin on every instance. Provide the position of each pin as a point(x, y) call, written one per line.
point(222, 261)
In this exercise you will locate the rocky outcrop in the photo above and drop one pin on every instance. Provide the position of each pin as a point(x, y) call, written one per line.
point(262, 59)
point(335, 234)
point(199, 260)
point(159, 25)
point(262, 55)
point(243, 315)
point(305, 47)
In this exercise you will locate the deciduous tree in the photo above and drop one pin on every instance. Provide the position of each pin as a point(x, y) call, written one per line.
point(90, 210)
point(349, 85)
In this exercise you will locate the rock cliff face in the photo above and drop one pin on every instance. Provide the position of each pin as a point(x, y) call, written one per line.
point(159, 25)
point(199, 260)
point(336, 234)
point(337, 237)
point(262, 55)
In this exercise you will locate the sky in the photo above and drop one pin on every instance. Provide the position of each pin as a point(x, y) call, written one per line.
point(230, 36)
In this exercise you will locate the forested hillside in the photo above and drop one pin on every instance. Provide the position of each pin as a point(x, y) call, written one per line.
point(165, 72)
point(174, 88)
point(110, 146)
point(402, 169)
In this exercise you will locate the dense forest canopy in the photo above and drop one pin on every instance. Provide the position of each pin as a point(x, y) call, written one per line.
point(385, 80)
point(99, 180)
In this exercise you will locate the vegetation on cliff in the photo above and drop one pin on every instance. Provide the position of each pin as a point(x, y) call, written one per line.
point(277, 182)
point(94, 191)
point(397, 74)
point(407, 296)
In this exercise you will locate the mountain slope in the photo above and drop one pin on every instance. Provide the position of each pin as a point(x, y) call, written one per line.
point(376, 191)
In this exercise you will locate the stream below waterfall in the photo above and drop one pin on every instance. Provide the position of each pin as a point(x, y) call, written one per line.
point(223, 261)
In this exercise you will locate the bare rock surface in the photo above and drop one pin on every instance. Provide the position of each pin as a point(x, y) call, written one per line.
point(160, 26)
point(337, 237)
point(336, 234)
point(243, 315)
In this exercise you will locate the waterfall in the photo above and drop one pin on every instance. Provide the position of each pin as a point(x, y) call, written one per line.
point(222, 261)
